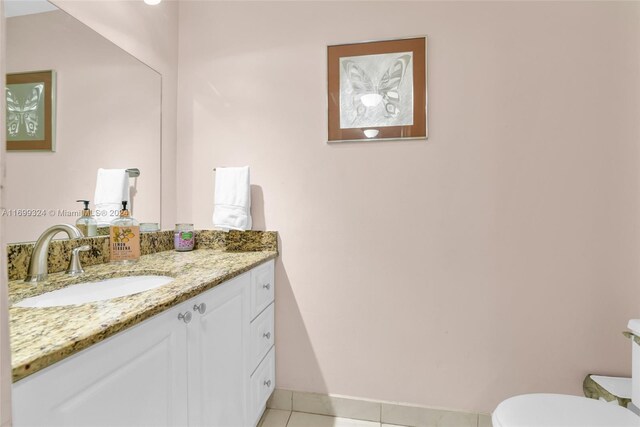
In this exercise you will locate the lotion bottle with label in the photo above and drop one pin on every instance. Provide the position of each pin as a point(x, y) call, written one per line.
point(124, 236)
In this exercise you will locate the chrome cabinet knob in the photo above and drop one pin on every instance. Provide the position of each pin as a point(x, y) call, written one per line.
point(267, 383)
point(267, 335)
point(267, 286)
point(186, 317)
point(200, 308)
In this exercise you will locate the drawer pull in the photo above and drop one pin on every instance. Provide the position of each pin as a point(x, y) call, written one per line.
point(186, 317)
point(200, 308)
point(267, 383)
point(267, 286)
point(267, 335)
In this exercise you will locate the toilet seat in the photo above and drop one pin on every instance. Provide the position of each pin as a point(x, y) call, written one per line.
point(559, 410)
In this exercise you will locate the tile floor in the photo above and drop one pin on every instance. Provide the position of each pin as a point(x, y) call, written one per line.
point(301, 409)
point(282, 418)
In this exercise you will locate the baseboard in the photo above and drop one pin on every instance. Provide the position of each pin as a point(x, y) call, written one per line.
point(372, 410)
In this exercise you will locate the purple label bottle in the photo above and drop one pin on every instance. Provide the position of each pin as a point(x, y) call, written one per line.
point(184, 237)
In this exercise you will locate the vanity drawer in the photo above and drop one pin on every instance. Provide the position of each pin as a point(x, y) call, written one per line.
point(262, 336)
point(262, 289)
point(263, 382)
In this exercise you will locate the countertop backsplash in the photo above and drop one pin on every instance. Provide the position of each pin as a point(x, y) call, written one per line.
point(18, 254)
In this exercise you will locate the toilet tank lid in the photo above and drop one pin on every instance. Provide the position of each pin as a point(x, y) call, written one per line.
point(634, 325)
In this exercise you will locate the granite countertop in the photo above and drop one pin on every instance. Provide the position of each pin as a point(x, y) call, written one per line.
point(43, 336)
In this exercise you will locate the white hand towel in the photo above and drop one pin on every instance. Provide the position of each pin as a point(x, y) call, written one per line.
point(112, 187)
point(232, 202)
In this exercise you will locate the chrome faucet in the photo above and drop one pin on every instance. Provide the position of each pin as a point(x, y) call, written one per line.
point(38, 266)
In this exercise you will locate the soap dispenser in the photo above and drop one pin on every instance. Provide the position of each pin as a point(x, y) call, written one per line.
point(86, 223)
point(124, 233)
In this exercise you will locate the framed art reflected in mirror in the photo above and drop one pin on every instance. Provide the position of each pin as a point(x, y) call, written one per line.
point(30, 107)
point(377, 90)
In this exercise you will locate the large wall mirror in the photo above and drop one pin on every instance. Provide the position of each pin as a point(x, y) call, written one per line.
point(107, 115)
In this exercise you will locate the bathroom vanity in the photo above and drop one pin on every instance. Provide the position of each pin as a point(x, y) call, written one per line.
point(197, 351)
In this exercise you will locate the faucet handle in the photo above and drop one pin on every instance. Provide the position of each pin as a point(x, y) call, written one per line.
point(82, 248)
point(75, 267)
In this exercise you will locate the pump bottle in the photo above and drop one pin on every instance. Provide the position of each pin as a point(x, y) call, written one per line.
point(86, 223)
point(124, 235)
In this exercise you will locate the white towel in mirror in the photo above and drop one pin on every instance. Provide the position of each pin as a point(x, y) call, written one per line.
point(112, 187)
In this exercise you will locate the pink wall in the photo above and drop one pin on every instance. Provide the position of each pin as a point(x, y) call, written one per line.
point(108, 114)
point(498, 257)
point(151, 35)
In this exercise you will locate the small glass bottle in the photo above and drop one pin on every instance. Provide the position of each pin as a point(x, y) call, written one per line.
point(125, 238)
point(184, 238)
point(86, 223)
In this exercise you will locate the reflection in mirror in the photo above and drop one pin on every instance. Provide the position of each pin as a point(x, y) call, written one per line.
point(107, 115)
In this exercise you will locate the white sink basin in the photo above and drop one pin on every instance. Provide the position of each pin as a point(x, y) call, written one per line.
point(83, 293)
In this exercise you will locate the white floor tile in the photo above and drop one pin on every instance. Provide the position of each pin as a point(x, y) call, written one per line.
point(301, 419)
point(275, 418)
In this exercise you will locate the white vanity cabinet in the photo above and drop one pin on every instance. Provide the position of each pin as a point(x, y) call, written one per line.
point(262, 359)
point(135, 378)
point(218, 343)
point(209, 361)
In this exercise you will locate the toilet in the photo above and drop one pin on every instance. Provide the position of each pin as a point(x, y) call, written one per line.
point(559, 410)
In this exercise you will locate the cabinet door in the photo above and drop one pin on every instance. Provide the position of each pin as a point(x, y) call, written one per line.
point(262, 336)
point(263, 382)
point(218, 352)
point(262, 287)
point(136, 378)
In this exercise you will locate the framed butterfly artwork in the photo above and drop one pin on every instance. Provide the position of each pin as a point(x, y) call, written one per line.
point(30, 107)
point(377, 90)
